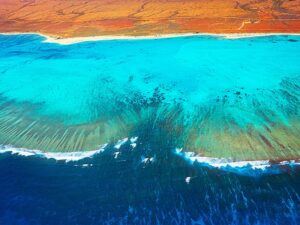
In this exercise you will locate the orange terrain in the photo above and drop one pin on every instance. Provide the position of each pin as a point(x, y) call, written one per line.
point(78, 18)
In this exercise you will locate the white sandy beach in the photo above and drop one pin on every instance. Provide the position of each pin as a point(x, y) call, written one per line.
point(74, 40)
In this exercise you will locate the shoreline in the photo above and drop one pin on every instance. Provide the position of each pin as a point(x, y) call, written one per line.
point(75, 40)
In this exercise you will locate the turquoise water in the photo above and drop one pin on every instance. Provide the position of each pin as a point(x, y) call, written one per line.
point(233, 98)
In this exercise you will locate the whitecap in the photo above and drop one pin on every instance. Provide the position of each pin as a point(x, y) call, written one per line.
point(59, 156)
point(229, 164)
point(133, 139)
point(187, 180)
point(147, 159)
point(133, 145)
point(120, 143)
point(116, 154)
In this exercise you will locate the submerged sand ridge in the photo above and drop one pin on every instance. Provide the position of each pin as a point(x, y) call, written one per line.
point(199, 104)
point(141, 18)
point(204, 133)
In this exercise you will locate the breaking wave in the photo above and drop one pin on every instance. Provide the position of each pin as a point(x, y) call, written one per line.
point(224, 164)
point(260, 166)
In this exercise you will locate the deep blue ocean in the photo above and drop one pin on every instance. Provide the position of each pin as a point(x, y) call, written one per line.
point(230, 100)
point(126, 190)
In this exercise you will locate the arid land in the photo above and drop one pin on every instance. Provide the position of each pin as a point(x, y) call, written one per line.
point(83, 18)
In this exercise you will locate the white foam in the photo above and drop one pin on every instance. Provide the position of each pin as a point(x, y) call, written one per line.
point(133, 139)
point(291, 162)
point(116, 154)
point(84, 165)
point(223, 163)
point(133, 142)
point(187, 180)
point(147, 159)
point(120, 143)
point(64, 156)
point(133, 145)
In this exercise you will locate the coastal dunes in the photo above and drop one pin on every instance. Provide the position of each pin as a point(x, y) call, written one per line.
point(79, 18)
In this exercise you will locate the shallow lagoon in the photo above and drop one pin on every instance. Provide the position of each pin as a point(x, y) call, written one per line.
point(222, 98)
point(231, 98)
